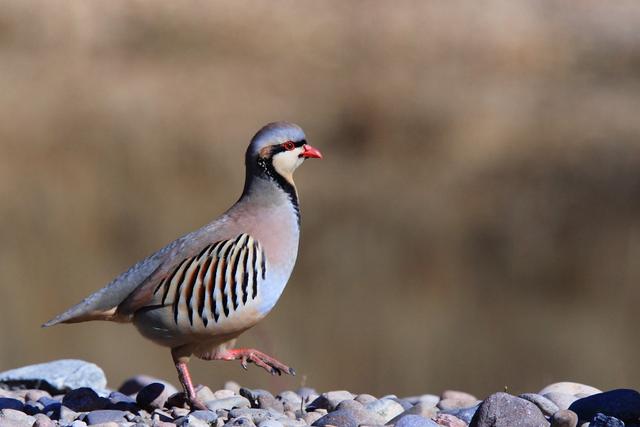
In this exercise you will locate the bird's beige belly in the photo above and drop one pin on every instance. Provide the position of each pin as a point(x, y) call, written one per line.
point(158, 325)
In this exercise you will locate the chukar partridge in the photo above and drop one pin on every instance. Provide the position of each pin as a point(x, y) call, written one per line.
point(198, 293)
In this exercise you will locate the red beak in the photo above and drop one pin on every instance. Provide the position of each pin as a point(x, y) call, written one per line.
point(311, 152)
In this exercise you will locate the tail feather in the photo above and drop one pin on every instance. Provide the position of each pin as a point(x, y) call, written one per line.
point(77, 314)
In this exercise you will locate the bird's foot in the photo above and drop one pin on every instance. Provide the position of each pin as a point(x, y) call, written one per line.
point(250, 355)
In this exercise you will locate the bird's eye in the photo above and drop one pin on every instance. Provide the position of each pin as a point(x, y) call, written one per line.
point(289, 145)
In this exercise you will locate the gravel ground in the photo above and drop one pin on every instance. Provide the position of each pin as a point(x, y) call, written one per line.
point(74, 393)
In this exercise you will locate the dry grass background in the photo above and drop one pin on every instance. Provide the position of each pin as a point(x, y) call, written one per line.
point(475, 223)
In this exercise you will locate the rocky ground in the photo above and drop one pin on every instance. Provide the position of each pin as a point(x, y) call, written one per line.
point(74, 393)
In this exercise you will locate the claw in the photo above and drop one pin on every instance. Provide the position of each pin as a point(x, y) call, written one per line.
point(292, 372)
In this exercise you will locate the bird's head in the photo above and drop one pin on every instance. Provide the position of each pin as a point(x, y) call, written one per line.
point(279, 148)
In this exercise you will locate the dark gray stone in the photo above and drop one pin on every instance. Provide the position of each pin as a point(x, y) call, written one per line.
point(56, 377)
point(601, 420)
point(83, 400)
point(329, 400)
point(505, 410)
point(415, 421)
point(137, 383)
point(153, 396)
point(32, 408)
point(121, 402)
point(465, 414)
point(253, 395)
point(623, 404)
point(9, 403)
point(564, 418)
point(105, 416)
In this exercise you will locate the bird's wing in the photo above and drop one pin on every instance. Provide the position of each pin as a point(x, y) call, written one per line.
point(103, 304)
point(210, 286)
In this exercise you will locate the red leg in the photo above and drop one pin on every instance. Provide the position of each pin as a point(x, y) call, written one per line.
point(251, 355)
point(185, 381)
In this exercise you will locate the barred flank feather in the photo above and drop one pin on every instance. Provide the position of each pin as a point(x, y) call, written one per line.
point(216, 282)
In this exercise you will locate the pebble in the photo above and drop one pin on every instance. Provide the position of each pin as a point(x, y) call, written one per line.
point(447, 420)
point(505, 410)
point(253, 395)
point(66, 415)
point(143, 401)
point(562, 400)
point(426, 411)
point(105, 416)
point(191, 421)
point(84, 399)
point(601, 420)
point(330, 400)
point(311, 417)
point(10, 403)
point(228, 403)
point(564, 418)
point(153, 396)
point(206, 416)
point(32, 408)
point(365, 398)
point(205, 394)
point(623, 404)
point(547, 407)
point(290, 400)
point(56, 377)
point(386, 408)
point(570, 388)
point(453, 403)
point(133, 385)
point(459, 395)
point(240, 422)
point(254, 414)
point(232, 386)
point(122, 402)
point(270, 402)
point(43, 421)
point(342, 418)
point(35, 395)
point(224, 393)
point(415, 421)
point(465, 414)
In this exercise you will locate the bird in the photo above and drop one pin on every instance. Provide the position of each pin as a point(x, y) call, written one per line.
point(197, 294)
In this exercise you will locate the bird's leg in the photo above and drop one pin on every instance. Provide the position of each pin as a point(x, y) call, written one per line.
point(185, 380)
point(250, 355)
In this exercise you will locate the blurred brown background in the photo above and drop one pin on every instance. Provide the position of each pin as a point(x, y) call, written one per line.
point(475, 223)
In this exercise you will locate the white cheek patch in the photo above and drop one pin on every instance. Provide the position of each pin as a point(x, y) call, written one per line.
point(287, 161)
